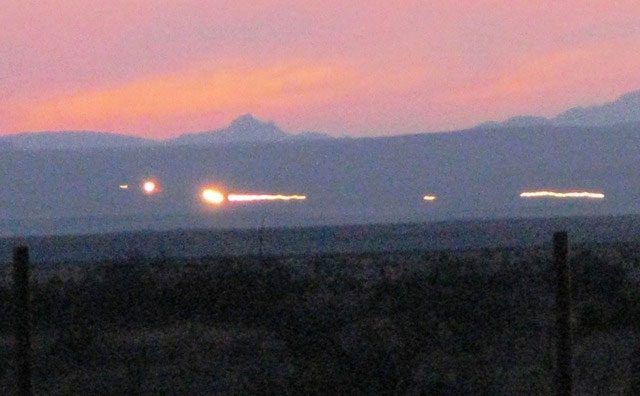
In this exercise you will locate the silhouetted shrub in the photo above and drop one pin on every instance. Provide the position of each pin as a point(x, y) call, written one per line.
point(245, 325)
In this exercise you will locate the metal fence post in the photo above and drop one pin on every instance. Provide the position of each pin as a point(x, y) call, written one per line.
point(564, 342)
point(22, 315)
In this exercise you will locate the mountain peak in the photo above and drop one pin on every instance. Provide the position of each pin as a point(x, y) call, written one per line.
point(247, 120)
point(245, 129)
point(248, 128)
point(625, 109)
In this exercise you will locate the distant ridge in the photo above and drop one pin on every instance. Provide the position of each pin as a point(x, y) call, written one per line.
point(518, 121)
point(624, 110)
point(248, 129)
point(244, 129)
point(310, 135)
point(73, 140)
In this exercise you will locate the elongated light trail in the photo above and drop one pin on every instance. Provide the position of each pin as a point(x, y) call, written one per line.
point(264, 197)
point(562, 195)
point(429, 198)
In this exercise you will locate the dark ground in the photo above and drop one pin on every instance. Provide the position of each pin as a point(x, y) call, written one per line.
point(454, 235)
point(472, 322)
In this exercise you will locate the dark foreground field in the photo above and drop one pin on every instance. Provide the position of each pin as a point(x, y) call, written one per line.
point(476, 322)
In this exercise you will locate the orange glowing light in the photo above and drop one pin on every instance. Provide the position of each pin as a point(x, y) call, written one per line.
point(264, 197)
point(562, 195)
point(150, 187)
point(429, 198)
point(212, 196)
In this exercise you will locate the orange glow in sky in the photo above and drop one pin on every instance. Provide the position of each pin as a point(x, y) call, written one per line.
point(161, 68)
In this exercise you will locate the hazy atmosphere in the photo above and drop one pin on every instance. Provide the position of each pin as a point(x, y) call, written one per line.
point(161, 68)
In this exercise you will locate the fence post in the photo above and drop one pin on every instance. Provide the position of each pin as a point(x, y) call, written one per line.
point(22, 315)
point(564, 342)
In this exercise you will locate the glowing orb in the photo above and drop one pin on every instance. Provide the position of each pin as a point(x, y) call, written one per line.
point(429, 198)
point(264, 197)
point(212, 196)
point(562, 195)
point(150, 187)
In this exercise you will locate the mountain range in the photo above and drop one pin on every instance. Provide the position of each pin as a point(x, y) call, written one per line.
point(624, 110)
point(244, 129)
point(248, 129)
point(71, 140)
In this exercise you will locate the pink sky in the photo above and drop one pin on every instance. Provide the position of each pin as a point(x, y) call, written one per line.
point(157, 68)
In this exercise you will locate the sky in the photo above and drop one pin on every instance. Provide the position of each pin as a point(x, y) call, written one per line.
point(158, 68)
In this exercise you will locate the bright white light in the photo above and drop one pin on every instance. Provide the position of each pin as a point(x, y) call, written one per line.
point(562, 195)
point(429, 198)
point(212, 196)
point(124, 186)
point(264, 197)
point(150, 187)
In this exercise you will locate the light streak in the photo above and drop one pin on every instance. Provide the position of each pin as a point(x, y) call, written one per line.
point(212, 196)
point(562, 195)
point(124, 186)
point(429, 198)
point(264, 197)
